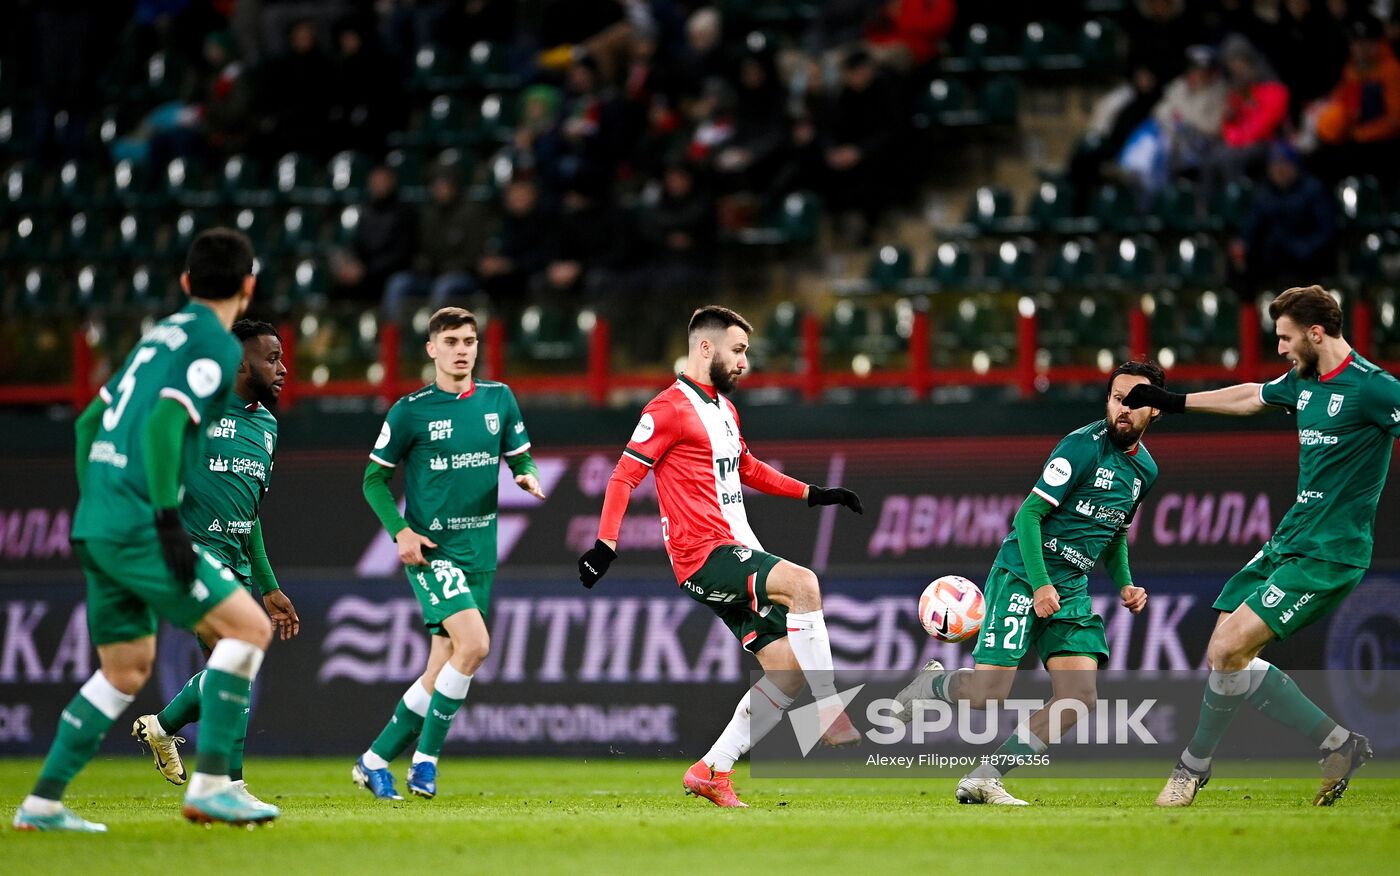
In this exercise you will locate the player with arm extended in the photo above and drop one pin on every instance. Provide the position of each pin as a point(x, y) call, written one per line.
point(1348, 414)
point(1038, 589)
point(220, 511)
point(137, 444)
point(688, 436)
point(449, 438)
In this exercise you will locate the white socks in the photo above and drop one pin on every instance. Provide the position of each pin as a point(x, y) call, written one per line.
point(757, 713)
point(1334, 739)
point(811, 646)
point(235, 657)
point(203, 784)
point(451, 684)
point(104, 697)
point(416, 700)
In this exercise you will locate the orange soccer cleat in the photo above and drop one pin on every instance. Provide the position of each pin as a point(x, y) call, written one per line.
point(839, 731)
point(701, 781)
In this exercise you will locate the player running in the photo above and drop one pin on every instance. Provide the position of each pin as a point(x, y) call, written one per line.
point(136, 445)
point(689, 436)
point(1038, 589)
point(1348, 417)
point(220, 513)
point(449, 437)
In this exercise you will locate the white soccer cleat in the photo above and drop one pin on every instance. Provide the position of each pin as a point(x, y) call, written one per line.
point(918, 690)
point(146, 730)
point(987, 790)
point(240, 790)
point(1182, 786)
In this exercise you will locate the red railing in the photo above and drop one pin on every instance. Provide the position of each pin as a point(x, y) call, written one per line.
point(598, 380)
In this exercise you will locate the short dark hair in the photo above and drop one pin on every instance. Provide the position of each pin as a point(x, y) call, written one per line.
point(712, 316)
point(1138, 368)
point(447, 318)
point(1309, 306)
point(247, 329)
point(218, 262)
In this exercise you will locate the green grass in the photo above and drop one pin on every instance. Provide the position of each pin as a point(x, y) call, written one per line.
point(604, 816)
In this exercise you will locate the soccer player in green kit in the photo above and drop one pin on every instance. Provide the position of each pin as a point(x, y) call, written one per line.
point(1348, 414)
point(449, 438)
point(136, 445)
point(220, 512)
point(1037, 591)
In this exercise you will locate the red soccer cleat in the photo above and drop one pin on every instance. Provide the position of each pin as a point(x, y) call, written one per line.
point(701, 781)
point(840, 732)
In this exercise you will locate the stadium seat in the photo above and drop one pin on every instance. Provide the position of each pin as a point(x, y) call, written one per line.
point(496, 119)
point(309, 282)
point(23, 185)
point(93, 286)
point(259, 226)
point(1195, 262)
point(488, 67)
point(890, 266)
point(990, 210)
point(1012, 266)
point(1046, 48)
point(1098, 44)
point(1000, 100)
point(951, 267)
point(984, 47)
point(175, 239)
point(858, 328)
point(186, 185)
point(79, 187)
point(297, 234)
point(447, 123)
point(1177, 208)
point(1366, 259)
point(1360, 204)
point(407, 164)
point(437, 69)
point(1114, 209)
point(947, 103)
point(1074, 265)
point(1051, 207)
point(148, 287)
point(40, 291)
point(31, 239)
point(82, 237)
point(136, 236)
point(547, 333)
point(299, 180)
point(347, 173)
point(12, 141)
point(347, 223)
point(131, 185)
point(242, 183)
point(1230, 207)
point(1133, 263)
point(784, 331)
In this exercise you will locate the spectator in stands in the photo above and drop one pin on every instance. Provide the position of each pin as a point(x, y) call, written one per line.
point(1359, 125)
point(1256, 111)
point(601, 30)
point(291, 95)
point(908, 34)
point(750, 160)
point(858, 130)
point(452, 235)
point(1192, 111)
point(676, 224)
point(1115, 117)
point(532, 149)
point(366, 90)
point(1290, 236)
point(69, 35)
point(525, 243)
point(586, 244)
point(1308, 48)
point(581, 152)
point(386, 239)
point(226, 95)
point(705, 55)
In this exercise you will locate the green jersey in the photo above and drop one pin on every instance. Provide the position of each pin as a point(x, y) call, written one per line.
point(450, 447)
point(222, 495)
point(1096, 489)
point(1347, 421)
point(190, 357)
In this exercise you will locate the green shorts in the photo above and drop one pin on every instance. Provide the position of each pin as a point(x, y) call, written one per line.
point(129, 587)
point(443, 589)
point(1011, 626)
point(1288, 592)
point(733, 582)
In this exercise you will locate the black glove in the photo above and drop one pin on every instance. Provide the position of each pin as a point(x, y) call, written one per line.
point(833, 496)
point(1145, 395)
point(594, 564)
point(175, 544)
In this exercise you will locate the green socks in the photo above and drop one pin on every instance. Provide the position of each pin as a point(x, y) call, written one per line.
point(223, 705)
point(1013, 752)
point(1279, 698)
point(404, 726)
point(1225, 693)
point(81, 727)
point(184, 708)
point(449, 693)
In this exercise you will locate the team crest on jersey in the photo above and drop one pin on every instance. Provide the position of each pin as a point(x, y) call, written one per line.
point(267, 441)
point(1335, 404)
point(493, 423)
point(1137, 488)
point(743, 554)
point(1272, 597)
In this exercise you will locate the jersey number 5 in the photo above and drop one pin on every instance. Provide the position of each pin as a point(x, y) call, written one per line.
point(113, 415)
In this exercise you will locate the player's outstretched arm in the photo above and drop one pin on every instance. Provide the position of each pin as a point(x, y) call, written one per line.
point(164, 437)
point(85, 430)
point(1239, 400)
point(381, 501)
point(279, 606)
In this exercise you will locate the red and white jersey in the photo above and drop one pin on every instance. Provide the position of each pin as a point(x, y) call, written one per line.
point(688, 436)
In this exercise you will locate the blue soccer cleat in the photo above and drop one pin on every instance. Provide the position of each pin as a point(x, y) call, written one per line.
point(380, 783)
point(229, 807)
point(63, 819)
point(422, 779)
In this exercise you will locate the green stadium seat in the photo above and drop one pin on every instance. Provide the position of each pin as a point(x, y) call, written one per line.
point(1360, 204)
point(23, 185)
point(437, 69)
point(1133, 263)
point(783, 334)
point(1366, 259)
point(1074, 265)
point(407, 165)
point(889, 267)
point(79, 187)
point(136, 236)
point(951, 267)
point(1230, 208)
point(1114, 209)
point(496, 120)
point(93, 286)
point(947, 103)
point(1051, 207)
point(448, 122)
point(546, 333)
point(149, 287)
point(82, 237)
point(984, 47)
point(867, 329)
point(40, 291)
point(347, 223)
point(1012, 266)
point(1098, 44)
point(298, 232)
point(299, 180)
point(131, 185)
point(1195, 262)
point(187, 185)
point(1177, 208)
point(488, 67)
point(31, 239)
point(990, 210)
point(1000, 100)
point(242, 184)
point(173, 240)
point(1047, 48)
point(309, 282)
point(347, 173)
point(12, 139)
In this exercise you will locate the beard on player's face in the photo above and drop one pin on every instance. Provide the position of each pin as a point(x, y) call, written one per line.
point(1306, 356)
point(1124, 432)
point(722, 376)
point(264, 392)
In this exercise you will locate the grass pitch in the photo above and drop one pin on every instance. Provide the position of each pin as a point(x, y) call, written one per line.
point(537, 815)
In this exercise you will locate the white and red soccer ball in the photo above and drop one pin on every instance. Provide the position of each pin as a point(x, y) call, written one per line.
point(951, 609)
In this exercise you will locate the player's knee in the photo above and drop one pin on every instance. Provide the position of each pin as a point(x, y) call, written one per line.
point(805, 589)
point(1223, 655)
point(468, 657)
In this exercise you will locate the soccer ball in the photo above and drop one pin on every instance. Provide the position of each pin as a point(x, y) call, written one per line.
point(951, 609)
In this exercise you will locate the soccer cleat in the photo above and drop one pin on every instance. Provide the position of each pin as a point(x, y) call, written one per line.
point(63, 819)
point(839, 731)
point(918, 690)
point(422, 779)
point(1338, 766)
point(163, 748)
point(988, 790)
point(701, 781)
point(240, 789)
point(229, 807)
point(380, 783)
point(1181, 788)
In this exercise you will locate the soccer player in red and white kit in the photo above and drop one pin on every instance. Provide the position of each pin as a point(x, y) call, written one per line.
point(689, 437)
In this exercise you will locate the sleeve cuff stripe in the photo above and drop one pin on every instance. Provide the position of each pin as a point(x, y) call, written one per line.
point(519, 450)
point(640, 458)
point(171, 392)
point(382, 462)
point(1046, 496)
